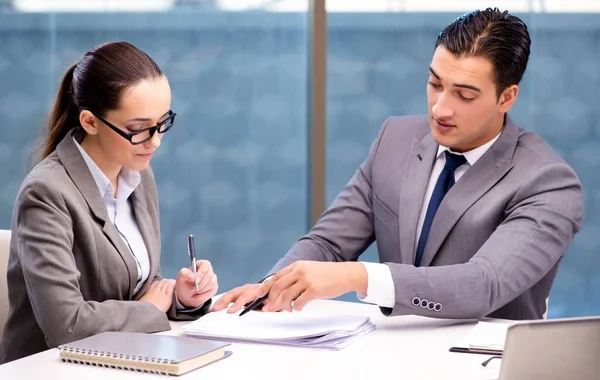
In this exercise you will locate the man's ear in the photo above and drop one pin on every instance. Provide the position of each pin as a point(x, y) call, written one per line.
point(508, 98)
point(88, 122)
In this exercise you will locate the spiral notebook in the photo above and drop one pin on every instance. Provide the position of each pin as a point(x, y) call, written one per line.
point(151, 353)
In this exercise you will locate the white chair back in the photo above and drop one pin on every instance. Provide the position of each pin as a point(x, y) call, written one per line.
point(4, 251)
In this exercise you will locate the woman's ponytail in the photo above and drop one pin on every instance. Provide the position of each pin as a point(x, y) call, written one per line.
point(64, 115)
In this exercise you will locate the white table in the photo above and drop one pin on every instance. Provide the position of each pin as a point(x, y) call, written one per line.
point(407, 347)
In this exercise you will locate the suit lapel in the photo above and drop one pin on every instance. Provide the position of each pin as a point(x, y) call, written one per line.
point(477, 181)
point(412, 193)
point(78, 171)
point(145, 225)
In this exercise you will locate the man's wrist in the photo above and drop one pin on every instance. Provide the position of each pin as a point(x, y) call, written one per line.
point(358, 277)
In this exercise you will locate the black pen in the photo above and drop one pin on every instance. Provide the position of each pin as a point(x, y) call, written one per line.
point(192, 252)
point(254, 304)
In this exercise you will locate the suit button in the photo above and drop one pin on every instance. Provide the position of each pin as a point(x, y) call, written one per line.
point(424, 303)
point(431, 305)
point(437, 307)
point(416, 301)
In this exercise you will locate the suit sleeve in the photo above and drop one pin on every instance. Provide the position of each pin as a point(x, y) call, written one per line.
point(44, 239)
point(345, 230)
point(541, 221)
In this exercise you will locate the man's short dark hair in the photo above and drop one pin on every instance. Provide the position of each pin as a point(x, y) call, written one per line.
point(498, 36)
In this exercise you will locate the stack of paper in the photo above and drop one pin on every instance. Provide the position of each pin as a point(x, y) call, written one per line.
point(305, 328)
point(484, 338)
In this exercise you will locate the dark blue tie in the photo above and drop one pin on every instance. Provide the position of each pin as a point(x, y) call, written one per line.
point(442, 186)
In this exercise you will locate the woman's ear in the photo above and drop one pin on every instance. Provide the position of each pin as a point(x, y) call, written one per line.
point(88, 122)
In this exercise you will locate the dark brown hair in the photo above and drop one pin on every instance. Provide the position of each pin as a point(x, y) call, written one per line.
point(96, 84)
point(498, 36)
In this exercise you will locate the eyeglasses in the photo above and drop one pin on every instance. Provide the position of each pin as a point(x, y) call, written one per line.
point(143, 135)
point(485, 363)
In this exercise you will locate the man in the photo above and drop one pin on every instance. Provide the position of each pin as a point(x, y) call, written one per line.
point(470, 213)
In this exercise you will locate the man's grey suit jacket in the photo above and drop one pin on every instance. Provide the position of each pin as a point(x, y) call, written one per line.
point(70, 275)
point(496, 239)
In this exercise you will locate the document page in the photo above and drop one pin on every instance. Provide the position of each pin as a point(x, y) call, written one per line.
point(305, 328)
point(485, 335)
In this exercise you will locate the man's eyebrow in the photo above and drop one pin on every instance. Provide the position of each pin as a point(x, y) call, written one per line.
point(468, 87)
point(434, 73)
point(461, 85)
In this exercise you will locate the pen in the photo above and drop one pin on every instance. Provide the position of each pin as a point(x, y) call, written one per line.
point(192, 252)
point(254, 304)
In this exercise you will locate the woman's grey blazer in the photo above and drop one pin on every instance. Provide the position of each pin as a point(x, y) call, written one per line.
point(70, 275)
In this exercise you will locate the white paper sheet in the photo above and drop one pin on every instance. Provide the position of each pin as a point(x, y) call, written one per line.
point(306, 328)
point(485, 335)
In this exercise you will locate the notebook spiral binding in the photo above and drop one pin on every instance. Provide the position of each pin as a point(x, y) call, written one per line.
point(116, 361)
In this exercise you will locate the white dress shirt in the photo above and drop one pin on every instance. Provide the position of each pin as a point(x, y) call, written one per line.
point(120, 212)
point(380, 284)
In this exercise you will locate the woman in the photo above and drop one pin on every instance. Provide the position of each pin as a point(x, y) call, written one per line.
point(85, 249)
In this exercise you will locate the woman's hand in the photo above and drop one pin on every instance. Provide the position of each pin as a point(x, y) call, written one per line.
point(206, 280)
point(160, 294)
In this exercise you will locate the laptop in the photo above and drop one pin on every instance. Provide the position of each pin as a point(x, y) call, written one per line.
point(561, 349)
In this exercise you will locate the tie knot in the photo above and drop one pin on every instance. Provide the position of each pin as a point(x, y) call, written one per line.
point(453, 161)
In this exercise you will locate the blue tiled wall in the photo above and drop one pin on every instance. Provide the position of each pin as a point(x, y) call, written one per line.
point(234, 170)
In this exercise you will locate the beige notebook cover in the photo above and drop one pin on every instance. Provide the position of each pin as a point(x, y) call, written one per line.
point(161, 354)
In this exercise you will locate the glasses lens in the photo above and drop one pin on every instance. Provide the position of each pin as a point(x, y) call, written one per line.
point(167, 125)
point(141, 137)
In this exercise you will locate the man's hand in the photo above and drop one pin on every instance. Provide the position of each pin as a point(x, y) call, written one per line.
point(239, 296)
point(300, 282)
point(304, 281)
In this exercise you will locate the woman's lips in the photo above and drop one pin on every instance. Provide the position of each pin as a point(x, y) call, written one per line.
point(146, 156)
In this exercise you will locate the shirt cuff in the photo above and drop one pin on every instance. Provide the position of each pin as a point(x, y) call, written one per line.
point(380, 285)
point(178, 304)
point(180, 308)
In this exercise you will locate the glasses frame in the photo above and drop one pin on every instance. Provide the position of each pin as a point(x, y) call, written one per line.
point(152, 130)
point(485, 363)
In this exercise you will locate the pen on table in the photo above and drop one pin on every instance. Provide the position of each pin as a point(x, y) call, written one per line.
point(254, 304)
point(192, 252)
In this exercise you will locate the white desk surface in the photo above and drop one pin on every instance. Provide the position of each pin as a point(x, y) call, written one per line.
point(406, 347)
